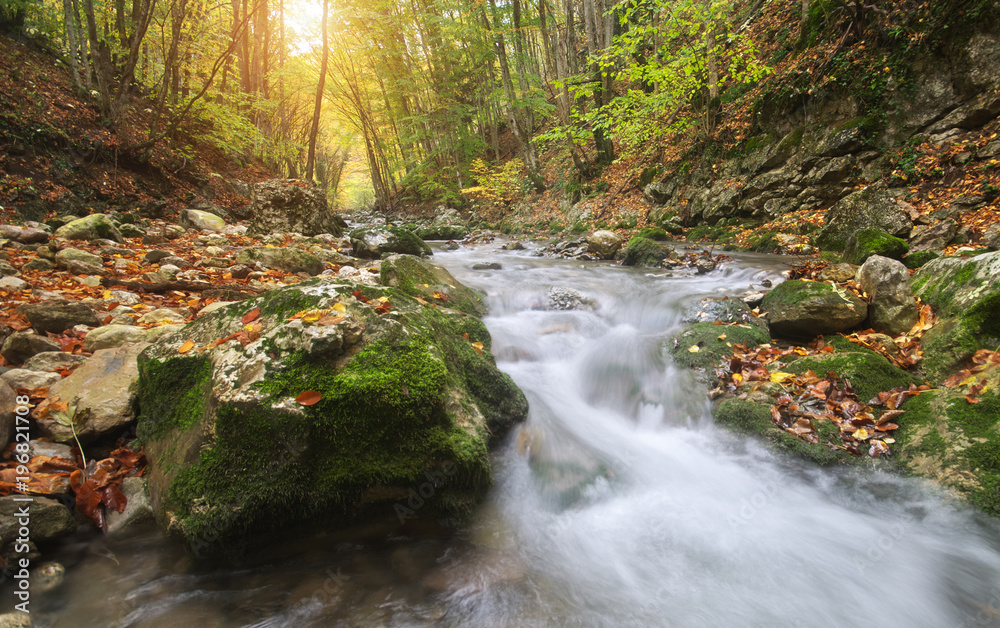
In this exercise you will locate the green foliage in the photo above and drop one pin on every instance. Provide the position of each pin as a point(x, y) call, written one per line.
point(504, 183)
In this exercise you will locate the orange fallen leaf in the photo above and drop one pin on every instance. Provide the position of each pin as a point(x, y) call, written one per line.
point(308, 398)
point(187, 346)
point(250, 316)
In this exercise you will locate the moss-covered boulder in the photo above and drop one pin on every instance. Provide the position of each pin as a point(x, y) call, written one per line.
point(917, 259)
point(92, 227)
point(373, 242)
point(405, 403)
point(868, 372)
point(872, 207)
point(865, 243)
point(418, 278)
point(944, 437)
point(704, 345)
point(753, 418)
point(642, 251)
point(965, 294)
point(805, 309)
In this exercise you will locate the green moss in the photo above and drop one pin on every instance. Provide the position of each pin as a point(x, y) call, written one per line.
point(644, 252)
point(754, 419)
point(441, 232)
point(792, 140)
point(843, 345)
point(712, 350)
point(418, 278)
point(653, 233)
point(174, 394)
point(868, 373)
point(707, 232)
point(765, 242)
point(919, 258)
point(865, 243)
point(984, 316)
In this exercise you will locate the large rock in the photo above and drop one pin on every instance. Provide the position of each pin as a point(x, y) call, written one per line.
point(201, 220)
point(604, 244)
point(872, 207)
point(965, 295)
point(24, 378)
point(291, 205)
point(893, 310)
point(102, 389)
point(865, 243)
point(49, 317)
point(93, 227)
point(288, 259)
point(642, 251)
point(21, 345)
point(373, 242)
point(404, 402)
point(809, 308)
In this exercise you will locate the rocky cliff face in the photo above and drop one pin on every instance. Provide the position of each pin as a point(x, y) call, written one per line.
point(813, 150)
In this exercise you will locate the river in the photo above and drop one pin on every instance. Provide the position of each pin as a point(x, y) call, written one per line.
point(619, 503)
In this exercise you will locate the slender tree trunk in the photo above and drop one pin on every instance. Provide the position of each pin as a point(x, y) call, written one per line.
point(74, 62)
point(314, 129)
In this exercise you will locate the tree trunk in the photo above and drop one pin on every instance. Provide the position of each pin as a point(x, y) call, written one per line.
point(314, 129)
point(74, 52)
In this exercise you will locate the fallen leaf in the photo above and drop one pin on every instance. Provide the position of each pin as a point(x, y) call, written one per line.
point(187, 346)
point(250, 316)
point(478, 346)
point(340, 307)
point(308, 398)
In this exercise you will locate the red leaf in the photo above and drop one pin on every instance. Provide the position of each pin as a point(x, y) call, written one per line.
point(250, 316)
point(308, 398)
point(114, 498)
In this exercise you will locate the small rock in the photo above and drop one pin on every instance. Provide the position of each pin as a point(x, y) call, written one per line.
point(154, 238)
point(162, 316)
point(569, 299)
point(48, 518)
point(39, 264)
point(154, 256)
point(132, 231)
point(103, 388)
point(55, 360)
point(753, 298)
point(50, 449)
point(173, 260)
point(240, 271)
point(838, 273)
point(197, 219)
point(56, 318)
point(66, 256)
point(21, 345)
point(8, 407)
point(110, 336)
point(513, 246)
point(604, 244)
point(13, 284)
point(893, 309)
point(93, 227)
point(137, 509)
point(211, 307)
point(486, 266)
point(23, 378)
point(24, 235)
point(155, 333)
point(704, 265)
point(91, 281)
point(6, 270)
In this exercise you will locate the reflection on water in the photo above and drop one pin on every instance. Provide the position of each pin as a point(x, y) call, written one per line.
point(618, 503)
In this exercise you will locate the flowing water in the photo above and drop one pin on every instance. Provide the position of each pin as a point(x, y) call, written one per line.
point(618, 503)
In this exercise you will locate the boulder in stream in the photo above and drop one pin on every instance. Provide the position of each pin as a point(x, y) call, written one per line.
point(328, 403)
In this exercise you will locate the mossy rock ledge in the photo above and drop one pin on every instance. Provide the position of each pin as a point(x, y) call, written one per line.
point(805, 309)
point(409, 406)
point(965, 294)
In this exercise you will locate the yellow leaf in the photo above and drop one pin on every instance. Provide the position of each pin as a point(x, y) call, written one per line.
point(478, 346)
point(383, 299)
point(738, 378)
point(187, 346)
point(779, 377)
point(694, 349)
point(861, 434)
point(340, 308)
point(722, 336)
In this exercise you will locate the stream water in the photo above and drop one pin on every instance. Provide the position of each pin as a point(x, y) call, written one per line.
point(617, 504)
